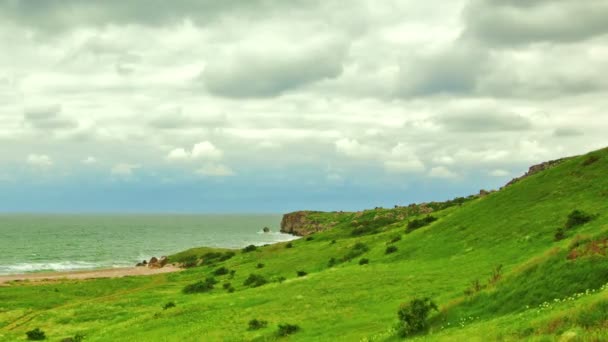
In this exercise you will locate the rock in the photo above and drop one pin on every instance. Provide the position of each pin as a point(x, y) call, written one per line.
point(163, 261)
point(536, 169)
point(266, 230)
point(153, 263)
point(299, 223)
point(483, 193)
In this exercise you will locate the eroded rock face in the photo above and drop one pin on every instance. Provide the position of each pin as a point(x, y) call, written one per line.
point(536, 169)
point(153, 263)
point(299, 223)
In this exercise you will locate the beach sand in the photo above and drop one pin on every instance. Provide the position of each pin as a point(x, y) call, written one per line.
point(90, 274)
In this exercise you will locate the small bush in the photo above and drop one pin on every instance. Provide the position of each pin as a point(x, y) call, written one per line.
point(332, 262)
point(256, 324)
point(560, 234)
point(255, 280)
point(250, 248)
point(390, 249)
point(169, 305)
point(200, 286)
point(259, 265)
point(395, 239)
point(287, 329)
point(232, 273)
point(190, 261)
point(419, 223)
point(226, 256)
point(76, 338)
point(301, 273)
point(221, 271)
point(333, 242)
point(577, 218)
point(289, 245)
point(226, 285)
point(357, 250)
point(310, 238)
point(364, 261)
point(36, 335)
point(413, 316)
point(590, 160)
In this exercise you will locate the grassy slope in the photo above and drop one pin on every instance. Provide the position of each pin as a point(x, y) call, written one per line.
point(513, 228)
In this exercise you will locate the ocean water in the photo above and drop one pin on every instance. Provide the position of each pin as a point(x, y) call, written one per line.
point(35, 243)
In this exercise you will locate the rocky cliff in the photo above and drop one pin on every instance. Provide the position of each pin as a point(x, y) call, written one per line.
point(301, 223)
point(534, 169)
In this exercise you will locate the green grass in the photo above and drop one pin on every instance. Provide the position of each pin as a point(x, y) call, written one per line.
point(546, 289)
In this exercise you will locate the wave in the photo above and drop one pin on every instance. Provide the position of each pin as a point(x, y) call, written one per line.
point(52, 267)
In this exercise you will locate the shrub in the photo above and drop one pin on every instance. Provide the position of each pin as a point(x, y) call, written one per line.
point(200, 286)
point(560, 234)
point(358, 249)
point(76, 338)
point(249, 248)
point(333, 242)
point(280, 279)
point(496, 275)
point(232, 273)
point(36, 335)
point(364, 261)
point(390, 249)
point(169, 305)
point(221, 271)
point(301, 273)
point(226, 256)
point(259, 265)
point(190, 261)
point(395, 239)
point(256, 324)
point(419, 223)
point(226, 285)
point(372, 226)
point(590, 160)
point(289, 245)
point(287, 329)
point(255, 280)
point(310, 238)
point(577, 218)
point(332, 262)
point(230, 289)
point(413, 316)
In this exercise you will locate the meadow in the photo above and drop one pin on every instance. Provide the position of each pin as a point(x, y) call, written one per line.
point(515, 264)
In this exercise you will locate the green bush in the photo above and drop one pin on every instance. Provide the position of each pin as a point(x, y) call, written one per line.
point(259, 265)
point(289, 245)
point(76, 338)
point(301, 273)
point(256, 324)
point(226, 255)
point(413, 316)
point(590, 160)
point(332, 262)
point(577, 218)
point(200, 286)
point(249, 248)
point(36, 335)
point(363, 261)
point(255, 280)
point(226, 285)
point(169, 305)
point(395, 239)
point(310, 238)
point(357, 250)
point(190, 261)
point(419, 223)
point(221, 271)
point(333, 242)
point(560, 234)
point(390, 249)
point(287, 329)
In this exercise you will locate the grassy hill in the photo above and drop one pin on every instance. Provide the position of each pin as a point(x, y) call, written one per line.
point(526, 262)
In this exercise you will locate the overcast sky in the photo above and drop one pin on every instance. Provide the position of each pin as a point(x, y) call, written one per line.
point(272, 106)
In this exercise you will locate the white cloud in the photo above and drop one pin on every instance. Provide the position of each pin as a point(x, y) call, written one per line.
point(353, 148)
point(204, 150)
point(39, 160)
point(89, 160)
point(404, 166)
point(442, 172)
point(499, 173)
point(124, 169)
point(179, 154)
point(215, 170)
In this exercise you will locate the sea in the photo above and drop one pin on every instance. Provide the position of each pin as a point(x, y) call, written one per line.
point(45, 243)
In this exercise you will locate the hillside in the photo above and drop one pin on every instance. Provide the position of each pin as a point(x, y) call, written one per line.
point(526, 262)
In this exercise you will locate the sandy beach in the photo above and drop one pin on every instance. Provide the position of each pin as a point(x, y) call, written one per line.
point(88, 274)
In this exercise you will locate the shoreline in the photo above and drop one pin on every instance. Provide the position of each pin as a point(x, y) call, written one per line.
point(86, 274)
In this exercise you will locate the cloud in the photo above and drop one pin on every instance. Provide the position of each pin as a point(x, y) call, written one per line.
point(204, 150)
point(273, 70)
point(89, 160)
point(499, 173)
point(442, 172)
point(47, 118)
point(215, 170)
point(514, 22)
point(483, 118)
point(353, 148)
point(567, 132)
point(39, 160)
point(124, 169)
point(404, 166)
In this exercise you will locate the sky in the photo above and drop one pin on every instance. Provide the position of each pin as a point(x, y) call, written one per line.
point(274, 106)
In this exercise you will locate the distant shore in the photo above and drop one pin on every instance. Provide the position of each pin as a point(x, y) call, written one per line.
point(87, 274)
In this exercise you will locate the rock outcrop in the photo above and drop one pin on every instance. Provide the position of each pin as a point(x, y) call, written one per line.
point(158, 263)
point(301, 224)
point(536, 169)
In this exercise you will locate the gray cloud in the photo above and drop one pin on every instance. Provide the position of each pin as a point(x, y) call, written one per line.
point(567, 132)
point(507, 22)
point(273, 72)
point(483, 120)
point(47, 117)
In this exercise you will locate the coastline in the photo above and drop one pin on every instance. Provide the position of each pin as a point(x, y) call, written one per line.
point(86, 274)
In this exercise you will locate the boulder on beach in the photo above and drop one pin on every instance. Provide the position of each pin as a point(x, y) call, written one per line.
point(153, 263)
point(163, 261)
